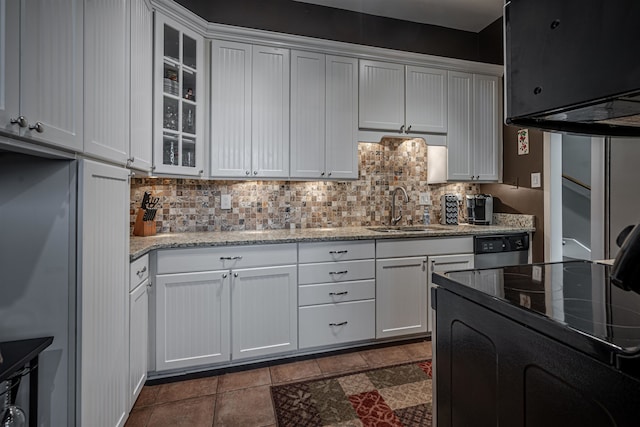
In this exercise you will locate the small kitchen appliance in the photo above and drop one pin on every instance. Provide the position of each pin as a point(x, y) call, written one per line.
point(480, 209)
point(448, 209)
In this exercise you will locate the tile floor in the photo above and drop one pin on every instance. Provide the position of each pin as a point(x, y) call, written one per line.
point(243, 398)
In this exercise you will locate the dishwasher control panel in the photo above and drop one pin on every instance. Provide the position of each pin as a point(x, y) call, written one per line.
point(501, 243)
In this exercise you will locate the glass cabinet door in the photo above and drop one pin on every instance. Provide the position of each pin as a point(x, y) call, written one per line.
point(179, 103)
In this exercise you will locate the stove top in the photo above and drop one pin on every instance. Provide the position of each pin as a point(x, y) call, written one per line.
point(576, 294)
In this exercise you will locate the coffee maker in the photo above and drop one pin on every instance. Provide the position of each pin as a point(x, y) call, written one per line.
point(480, 209)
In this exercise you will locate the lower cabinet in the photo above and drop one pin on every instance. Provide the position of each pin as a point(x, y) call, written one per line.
point(232, 313)
point(192, 319)
point(401, 296)
point(138, 339)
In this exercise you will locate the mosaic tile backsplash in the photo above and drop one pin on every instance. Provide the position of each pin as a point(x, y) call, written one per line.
point(189, 205)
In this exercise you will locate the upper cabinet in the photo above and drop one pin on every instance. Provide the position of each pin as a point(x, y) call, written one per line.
point(324, 116)
point(402, 99)
point(475, 130)
point(249, 111)
point(41, 58)
point(141, 86)
point(179, 99)
point(106, 79)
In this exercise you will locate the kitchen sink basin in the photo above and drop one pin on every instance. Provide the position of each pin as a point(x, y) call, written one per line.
point(406, 228)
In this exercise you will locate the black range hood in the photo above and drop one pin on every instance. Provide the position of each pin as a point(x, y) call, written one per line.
point(573, 65)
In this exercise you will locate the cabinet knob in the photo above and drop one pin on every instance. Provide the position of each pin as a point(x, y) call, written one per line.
point(329, 173)
point(409, 129)
point(402, 129)
point(150, 284)
point(338, 272)
point(322, 174)
point(246, 172)
point(38, 127)
point(20, 121)
point(235, 274)
point(338, 293)
point(140, 273)
point(338, 324)
point(224, 276)
point(255, 172)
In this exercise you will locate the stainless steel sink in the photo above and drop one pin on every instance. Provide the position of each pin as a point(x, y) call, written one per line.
point(406, 228)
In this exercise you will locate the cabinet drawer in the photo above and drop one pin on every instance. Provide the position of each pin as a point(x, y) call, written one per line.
point(225, 257)
point(336, 323)
point(336, 251)
point(419, 247)
point(138, 271)
point(329, 272)
point(329, 293)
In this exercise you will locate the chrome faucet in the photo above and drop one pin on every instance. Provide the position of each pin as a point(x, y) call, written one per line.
point(393, 219)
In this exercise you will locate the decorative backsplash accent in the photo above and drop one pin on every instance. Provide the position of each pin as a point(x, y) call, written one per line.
point(189, 205)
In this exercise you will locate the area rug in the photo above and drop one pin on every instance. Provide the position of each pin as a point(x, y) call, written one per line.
point(394, 396)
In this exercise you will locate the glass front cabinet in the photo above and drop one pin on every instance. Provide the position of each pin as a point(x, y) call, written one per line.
point(179, 99)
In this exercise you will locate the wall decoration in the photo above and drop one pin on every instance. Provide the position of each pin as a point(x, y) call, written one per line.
point(523, 142)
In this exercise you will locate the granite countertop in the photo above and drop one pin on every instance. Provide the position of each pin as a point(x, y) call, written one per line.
point(140, 246)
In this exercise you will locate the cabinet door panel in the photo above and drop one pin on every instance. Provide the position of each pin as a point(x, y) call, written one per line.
point(270, 112)
point(307, 115)
point(401, 296)
point(459, 155)
point(192, 319)
point(141, 87)
point(9, 65)
point(487, 127)
point(381, 95)
point(138, 340)
point(230, 109)
point(51, 61)
point(342, 118)
point(426, 93)
point(264, 307)
point(106, 97)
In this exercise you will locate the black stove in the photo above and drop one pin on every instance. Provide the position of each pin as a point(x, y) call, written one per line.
point(574, 302)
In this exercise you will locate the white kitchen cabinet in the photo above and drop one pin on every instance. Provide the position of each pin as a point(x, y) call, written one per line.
point(402, 99)
point(141, 86)
point(324, 93)
point(401, 296)
point(475, 131)
point(443, 263)
point(41, 63)
point(264, 315)
point(249, 111)
point(179, 99)
point(106, 79)
point(192, 319)
point(103, 295)
point(138, 340)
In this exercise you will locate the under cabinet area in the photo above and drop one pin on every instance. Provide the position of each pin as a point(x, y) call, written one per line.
point(219, 304)
point(336, 292)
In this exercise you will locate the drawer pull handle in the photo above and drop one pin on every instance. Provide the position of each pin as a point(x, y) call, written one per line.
point(338, 252)
point(229, 258)
point(140, 273)
point(339, 272)
point(338, 324)
point(339, 293)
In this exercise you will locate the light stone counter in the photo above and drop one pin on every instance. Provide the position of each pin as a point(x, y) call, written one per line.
point(142, 245)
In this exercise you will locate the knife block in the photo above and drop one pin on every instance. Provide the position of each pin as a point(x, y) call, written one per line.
point(143, 228)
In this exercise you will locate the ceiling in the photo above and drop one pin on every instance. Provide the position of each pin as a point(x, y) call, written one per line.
point(467, 15)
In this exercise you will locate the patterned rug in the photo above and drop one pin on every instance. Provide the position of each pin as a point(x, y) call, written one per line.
point(395, 396)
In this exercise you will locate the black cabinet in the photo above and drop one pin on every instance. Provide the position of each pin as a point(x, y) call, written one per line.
point(492, 370)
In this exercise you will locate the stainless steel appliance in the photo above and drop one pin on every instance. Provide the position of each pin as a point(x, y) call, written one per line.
point(568, 66)
point(448, 209)
point(500, 250)
point(480, 209)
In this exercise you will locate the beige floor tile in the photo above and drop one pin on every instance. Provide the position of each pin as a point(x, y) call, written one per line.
point(139, 417)
point(385, 356)
point(186, 389)
point(295, 371)
point(147, 396)
point(247, 407)
point(197, 412)
point(245, 379)
point(341, 363)
point(418, 350)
